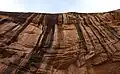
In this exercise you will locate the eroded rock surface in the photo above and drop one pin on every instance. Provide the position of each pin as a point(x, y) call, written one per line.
point(67, 43)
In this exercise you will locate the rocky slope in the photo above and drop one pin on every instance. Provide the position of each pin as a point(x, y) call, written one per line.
point(65, 43)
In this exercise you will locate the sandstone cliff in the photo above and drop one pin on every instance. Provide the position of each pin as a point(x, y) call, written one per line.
point(65, 43)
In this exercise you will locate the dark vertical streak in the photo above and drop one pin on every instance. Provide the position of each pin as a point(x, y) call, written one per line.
point(46, 43)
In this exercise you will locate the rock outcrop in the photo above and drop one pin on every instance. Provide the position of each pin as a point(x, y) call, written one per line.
point(65, 43)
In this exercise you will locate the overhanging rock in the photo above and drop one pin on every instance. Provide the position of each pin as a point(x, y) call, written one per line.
point(64, 43)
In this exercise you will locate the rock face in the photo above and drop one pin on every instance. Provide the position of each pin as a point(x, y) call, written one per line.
point(68, 43)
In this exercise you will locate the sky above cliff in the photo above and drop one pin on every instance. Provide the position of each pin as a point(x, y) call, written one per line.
point(59, 5)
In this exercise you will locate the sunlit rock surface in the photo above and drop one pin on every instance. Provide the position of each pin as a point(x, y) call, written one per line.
point(64, 43)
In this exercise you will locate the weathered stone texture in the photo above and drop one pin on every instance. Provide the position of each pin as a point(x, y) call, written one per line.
point(68, 43)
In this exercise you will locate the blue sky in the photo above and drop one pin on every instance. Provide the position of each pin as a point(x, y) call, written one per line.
point(56, 6)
